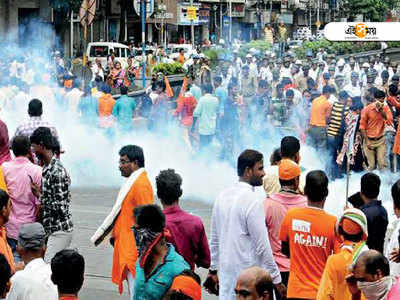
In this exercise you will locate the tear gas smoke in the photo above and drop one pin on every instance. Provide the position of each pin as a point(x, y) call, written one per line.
point(92, 158)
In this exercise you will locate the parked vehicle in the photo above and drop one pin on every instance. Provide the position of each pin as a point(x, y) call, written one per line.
point(101, 50)
point(175, 48)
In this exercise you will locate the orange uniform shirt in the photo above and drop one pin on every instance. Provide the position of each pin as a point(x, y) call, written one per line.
point(106, 105)
point(5, 249)
point(181, 59)
point(373, 122)
point(396, 145)
point(311, 236)
point(125, 252)
point(333, 284)
point(320, 111)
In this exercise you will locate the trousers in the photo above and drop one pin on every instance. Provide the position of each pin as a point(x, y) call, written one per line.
point(376, 154)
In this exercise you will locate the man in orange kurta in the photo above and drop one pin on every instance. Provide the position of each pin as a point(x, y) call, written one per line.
point(140, 193)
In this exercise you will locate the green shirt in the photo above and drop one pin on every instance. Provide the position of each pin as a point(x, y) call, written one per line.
point(206, 112)
point(160, 280)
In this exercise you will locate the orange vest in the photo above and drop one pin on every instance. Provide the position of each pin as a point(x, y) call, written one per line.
point(125, 252)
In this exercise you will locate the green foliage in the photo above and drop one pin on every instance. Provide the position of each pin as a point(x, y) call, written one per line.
point(340, 48)
point(168, 69)
point(260, 45)
point(373, 10)
point(215, 54)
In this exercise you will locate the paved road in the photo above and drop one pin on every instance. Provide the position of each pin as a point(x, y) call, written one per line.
point(89, 207)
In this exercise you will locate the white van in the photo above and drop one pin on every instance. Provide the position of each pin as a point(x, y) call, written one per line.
point(102, 49)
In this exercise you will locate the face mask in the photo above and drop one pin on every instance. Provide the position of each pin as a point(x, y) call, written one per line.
point(376, 290)
point(143, 237)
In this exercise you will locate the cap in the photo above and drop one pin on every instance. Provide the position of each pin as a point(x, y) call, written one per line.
point(339, 76)
point(354, 221)
point(288, 169)
point(395, 77)
point(340, 63)
point(31, 236)
point(249, 56)
point(187, 286)
point(326, 76)
point(343, 95)
point(365, 65)
point(286, 58)
point(331, 68)
point(298, 62)
point(306, 67)
point(393, 64)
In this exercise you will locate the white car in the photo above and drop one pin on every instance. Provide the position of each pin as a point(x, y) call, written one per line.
point(175, 48)
point(100, 50)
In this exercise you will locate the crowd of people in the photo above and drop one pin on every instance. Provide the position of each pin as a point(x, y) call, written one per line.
point(278, 246)
point(272, 245)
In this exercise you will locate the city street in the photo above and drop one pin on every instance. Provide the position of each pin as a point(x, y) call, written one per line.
point(89, 207)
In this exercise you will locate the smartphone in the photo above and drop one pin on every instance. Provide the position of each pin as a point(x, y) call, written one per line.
point(30, 177)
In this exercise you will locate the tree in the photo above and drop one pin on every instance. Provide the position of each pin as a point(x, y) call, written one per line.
point(373, 10)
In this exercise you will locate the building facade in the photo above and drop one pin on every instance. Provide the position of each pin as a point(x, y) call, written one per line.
point(169, 22)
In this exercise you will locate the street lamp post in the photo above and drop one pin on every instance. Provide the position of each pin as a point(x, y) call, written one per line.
point(163, 8)
point(143, 12)
point(230, 22)
point(192, 27)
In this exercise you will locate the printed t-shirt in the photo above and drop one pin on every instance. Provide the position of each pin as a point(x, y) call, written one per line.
point(311, 236)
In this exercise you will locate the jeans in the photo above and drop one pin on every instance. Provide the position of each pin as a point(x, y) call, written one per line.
point(281, 48)
point(316, 138)
point(334, 146)
point(57, 241)
point(205, 141)
point(13, 245)
point(389, 137)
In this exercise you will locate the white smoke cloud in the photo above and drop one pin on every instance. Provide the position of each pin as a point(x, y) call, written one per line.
point(92, 158)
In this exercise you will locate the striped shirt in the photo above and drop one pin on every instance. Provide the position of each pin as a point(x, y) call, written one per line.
point(336, 118)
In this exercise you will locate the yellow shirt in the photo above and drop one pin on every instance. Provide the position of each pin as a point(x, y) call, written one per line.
point(3, 184)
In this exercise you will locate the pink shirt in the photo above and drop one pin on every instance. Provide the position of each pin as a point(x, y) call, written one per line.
point(276, 207)
point(394, 292)
point(23, 209)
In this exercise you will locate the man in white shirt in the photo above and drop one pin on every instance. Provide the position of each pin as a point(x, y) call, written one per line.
point(285, 70)
point(239, 237)
point(253, 70)
point(353, 88)
point(391, 249)
point(34, 282)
